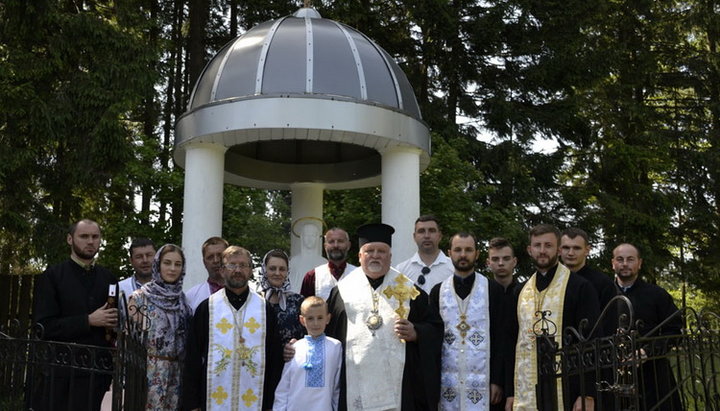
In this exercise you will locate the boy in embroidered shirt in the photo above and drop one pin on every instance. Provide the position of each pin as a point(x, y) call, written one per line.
point(311, 380)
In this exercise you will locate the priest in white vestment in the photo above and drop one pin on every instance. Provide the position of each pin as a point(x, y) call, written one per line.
point(471, 308)
point(391, 335)
point(234, 355)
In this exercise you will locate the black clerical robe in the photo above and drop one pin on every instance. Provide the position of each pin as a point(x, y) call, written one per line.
point(65, 295)
point(580, 302)
point(194, 393)
point(508, 315)
point(605, 289)
point(498, 337)
point(652, 305)
point(421, 375)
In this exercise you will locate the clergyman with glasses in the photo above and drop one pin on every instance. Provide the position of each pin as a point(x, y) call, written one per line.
point(234, 355)
point(429, 265)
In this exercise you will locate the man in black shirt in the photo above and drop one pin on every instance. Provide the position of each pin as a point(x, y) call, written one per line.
point(501, 262)
point(652, 305)
point(574, 250)
point(71, 305)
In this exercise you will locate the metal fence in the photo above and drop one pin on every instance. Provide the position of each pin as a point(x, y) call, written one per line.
point(45, 375)
point(629, 371)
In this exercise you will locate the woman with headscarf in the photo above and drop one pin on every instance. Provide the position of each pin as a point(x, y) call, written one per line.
point(159, 307)
point(275, 287)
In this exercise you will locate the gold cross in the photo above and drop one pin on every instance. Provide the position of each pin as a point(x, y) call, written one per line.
point(402, 292)
point(224, 326)
point(252, 325)
point(249, 397)
point(219, 395)
point(463, 327)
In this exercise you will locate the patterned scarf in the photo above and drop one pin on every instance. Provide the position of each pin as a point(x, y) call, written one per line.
point(268, 290)
point(169, 298)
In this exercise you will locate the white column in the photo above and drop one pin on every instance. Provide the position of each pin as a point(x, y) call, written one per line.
point(401, 197)
point(306, 208)
point(203, 201)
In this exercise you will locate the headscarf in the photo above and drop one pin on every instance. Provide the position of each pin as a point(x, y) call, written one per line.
point(169, 298)
point(283, 291)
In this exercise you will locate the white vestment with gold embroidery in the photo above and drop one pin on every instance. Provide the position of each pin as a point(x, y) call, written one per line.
point(374, 363)
point(465, 379)
point(236, 353)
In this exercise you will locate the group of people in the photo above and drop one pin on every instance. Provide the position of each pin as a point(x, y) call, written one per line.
point(433, 333)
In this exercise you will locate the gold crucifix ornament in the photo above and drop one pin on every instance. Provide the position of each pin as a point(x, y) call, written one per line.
point(403, 290)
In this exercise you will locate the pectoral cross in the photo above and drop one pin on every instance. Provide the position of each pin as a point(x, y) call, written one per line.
point(402, 291)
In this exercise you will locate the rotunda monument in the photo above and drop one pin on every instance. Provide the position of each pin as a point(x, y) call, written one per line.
point(306, 104)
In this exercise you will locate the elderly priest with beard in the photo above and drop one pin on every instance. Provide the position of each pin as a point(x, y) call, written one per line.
point(391, 336)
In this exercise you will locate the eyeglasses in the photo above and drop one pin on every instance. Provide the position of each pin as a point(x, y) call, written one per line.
point(233, 267)
point(425, 271)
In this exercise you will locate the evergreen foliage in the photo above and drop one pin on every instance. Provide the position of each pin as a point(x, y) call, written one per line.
point(626, 94)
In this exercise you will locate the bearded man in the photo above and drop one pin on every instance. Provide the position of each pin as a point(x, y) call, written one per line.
point(568, 299)
point(321, 279)
point(390, 334)
point(71, 305)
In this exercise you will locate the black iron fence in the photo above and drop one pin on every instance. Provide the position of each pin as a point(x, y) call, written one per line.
point(623, 371)
point(630, 371)
point(45, 375)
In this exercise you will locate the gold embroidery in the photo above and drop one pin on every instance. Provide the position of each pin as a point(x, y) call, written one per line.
point(219, 395)
point(252, 325)
point(224, 326)
point(249, 397)
point(244, 355)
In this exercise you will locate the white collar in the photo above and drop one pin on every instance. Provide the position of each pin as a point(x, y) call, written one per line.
point(440, 259)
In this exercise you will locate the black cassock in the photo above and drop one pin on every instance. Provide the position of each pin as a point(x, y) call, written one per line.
point(421, 375)
point(65, 295)
point(652, 305)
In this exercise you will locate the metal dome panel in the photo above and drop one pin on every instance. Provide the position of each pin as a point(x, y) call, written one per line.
point(335, 70)
point(239, 75)
point(285, 65)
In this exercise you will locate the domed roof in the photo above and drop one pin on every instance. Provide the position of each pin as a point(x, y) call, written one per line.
point(303, 99)
point(305, 55)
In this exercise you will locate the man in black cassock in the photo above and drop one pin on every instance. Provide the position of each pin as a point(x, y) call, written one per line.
point(579, 302)
point(71, 305)
point(574, 250)
point(363, 318)
point(652, 305)
point(501, 262)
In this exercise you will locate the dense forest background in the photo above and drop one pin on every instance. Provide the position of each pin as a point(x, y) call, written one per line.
point(626, 95)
